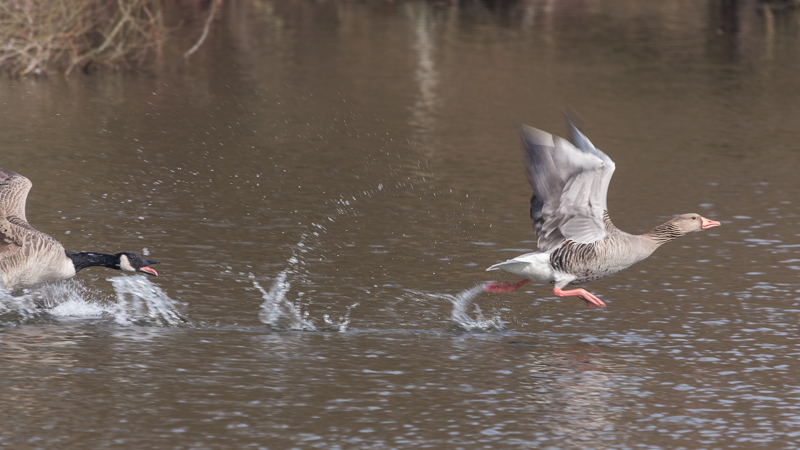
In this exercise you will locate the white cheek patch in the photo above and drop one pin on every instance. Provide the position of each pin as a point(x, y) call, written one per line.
point(125, 265)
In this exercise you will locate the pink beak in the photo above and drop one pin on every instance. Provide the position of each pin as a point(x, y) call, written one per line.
point(706, 224)
point(148, 270)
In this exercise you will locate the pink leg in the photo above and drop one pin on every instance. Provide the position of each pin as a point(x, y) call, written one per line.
point(504, 287)
point(582, 294)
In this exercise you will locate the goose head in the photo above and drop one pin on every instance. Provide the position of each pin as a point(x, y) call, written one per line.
point(132, 262)
point(689, 223)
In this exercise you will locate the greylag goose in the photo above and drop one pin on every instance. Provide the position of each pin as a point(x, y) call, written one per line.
point(577, 241)
point(29, 257)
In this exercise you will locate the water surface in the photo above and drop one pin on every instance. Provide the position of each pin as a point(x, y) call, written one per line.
point(325, 182)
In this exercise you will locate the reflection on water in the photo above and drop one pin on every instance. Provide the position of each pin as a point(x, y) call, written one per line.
point(581, 388)
point(424, 110)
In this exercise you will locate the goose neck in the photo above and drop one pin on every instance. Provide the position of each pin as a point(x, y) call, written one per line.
point(82, 260)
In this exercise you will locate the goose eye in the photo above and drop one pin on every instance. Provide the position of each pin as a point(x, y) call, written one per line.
point(694, 217)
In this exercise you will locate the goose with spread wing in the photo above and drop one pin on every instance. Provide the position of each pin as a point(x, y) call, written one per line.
point(577, 241)
point(29, 257)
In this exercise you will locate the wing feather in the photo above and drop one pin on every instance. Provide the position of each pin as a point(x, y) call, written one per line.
point(570, 184)
point(14, 190)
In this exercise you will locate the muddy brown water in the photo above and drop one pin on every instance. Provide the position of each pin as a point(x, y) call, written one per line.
point(323, 184)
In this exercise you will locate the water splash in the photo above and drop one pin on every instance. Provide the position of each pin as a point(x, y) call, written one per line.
point(281, 314)
point(140, 302)
point(48, 302)
point(461, 318)
point(18, 309)
point(137, 302)
point(69, 299)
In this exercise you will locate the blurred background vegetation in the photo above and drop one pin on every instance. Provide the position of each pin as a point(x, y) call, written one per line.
point(40, 37)
point(50, 37)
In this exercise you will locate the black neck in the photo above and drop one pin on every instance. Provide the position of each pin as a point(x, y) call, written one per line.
point(82, 260)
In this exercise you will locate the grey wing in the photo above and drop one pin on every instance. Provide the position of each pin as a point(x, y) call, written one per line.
point(569, 185)
point(583, 143)
point(580, 140)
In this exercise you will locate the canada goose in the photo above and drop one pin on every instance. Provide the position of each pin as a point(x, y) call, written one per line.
point(577, 241)
point(29, 257)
